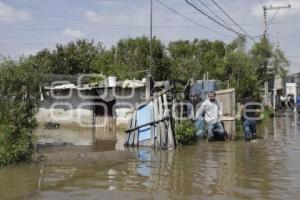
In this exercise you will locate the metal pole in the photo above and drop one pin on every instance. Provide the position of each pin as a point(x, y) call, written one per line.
point(265, 9)
point(265, 21)
point(274, 93)
point(266, 84)
point(151, 33)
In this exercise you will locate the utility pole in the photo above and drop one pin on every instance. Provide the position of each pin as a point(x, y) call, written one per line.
point(265, 9)
point(148, 84)
point(151, 34)
point(275, 81)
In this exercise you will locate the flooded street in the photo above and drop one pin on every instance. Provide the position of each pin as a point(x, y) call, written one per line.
point(266, 169)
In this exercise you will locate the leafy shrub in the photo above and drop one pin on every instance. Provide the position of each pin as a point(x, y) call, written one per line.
point(19, 97)
point(16, 144)
point(268, 113)
point(239, 129)
point(186, 133)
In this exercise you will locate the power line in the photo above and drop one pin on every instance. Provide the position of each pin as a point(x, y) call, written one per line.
point(275, 14)
point(205, 5)
point(211, 18)
point(216, 21)
point(231, 19)
point(189, 19)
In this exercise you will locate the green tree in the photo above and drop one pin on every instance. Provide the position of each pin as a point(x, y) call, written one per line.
point(130, 58)
point(260, 55)
point(279, 62)
point(19, 97)
point(73, 58)
point(240, 70)
point(193, 59)
point(183, 60)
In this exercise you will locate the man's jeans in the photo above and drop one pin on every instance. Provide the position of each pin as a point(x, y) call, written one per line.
point(215, 128)
point(200, 127)
point(249, 129)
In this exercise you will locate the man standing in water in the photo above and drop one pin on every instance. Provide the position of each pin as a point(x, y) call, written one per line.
point(210, 109)
point(282, 101)
point(249, 117)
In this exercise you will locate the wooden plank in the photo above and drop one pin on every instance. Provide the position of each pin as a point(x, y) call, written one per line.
point(147, 101)
point(166, 106)
point(227, 100)
point(152, 118)
point(230, 90)
point(147, 124)
point(132, 134)
point(136, 132)
point(170, 136)
point(234, 103)
point(157, 126)
point(162, 128)
point(174, 114)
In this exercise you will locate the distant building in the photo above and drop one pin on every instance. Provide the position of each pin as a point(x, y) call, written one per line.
point(295, 78)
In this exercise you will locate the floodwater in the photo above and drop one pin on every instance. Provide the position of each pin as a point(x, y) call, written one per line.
point(266, 169)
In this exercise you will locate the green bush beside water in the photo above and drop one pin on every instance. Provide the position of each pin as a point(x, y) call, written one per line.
point(186, 133)
point(268, 113)
point(19, 97)
point(239, 129)
point(16, 145)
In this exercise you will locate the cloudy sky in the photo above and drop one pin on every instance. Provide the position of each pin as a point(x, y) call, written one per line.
point(30, 25)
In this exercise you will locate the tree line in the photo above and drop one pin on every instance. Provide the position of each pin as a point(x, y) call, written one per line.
point(233, 64)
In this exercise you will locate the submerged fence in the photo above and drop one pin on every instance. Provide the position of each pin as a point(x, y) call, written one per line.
point(150, 125)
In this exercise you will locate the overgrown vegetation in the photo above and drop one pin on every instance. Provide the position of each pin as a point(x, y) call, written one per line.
point(268, 113)
point(239, 129)
point(185, 133)
point(19, 91)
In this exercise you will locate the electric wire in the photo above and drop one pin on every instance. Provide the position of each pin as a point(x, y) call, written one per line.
point(211, 18)
point(275, 14)
point(231, 19)
point(216, 21)
point(189, 19)
point(215, 14)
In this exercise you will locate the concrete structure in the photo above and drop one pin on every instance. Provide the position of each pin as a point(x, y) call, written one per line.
point(82, 114)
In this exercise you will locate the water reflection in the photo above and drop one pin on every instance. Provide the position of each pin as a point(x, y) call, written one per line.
point(266, 169)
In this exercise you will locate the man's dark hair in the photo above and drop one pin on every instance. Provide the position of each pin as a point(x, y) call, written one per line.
point(212, 92)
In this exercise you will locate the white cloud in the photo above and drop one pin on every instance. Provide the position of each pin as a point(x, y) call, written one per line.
point(92, 16)
point(10, 14)
point(73, 33)
point(294, 10)
point(107, 19)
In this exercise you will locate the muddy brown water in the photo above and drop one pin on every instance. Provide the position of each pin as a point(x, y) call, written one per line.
point(266, 169)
